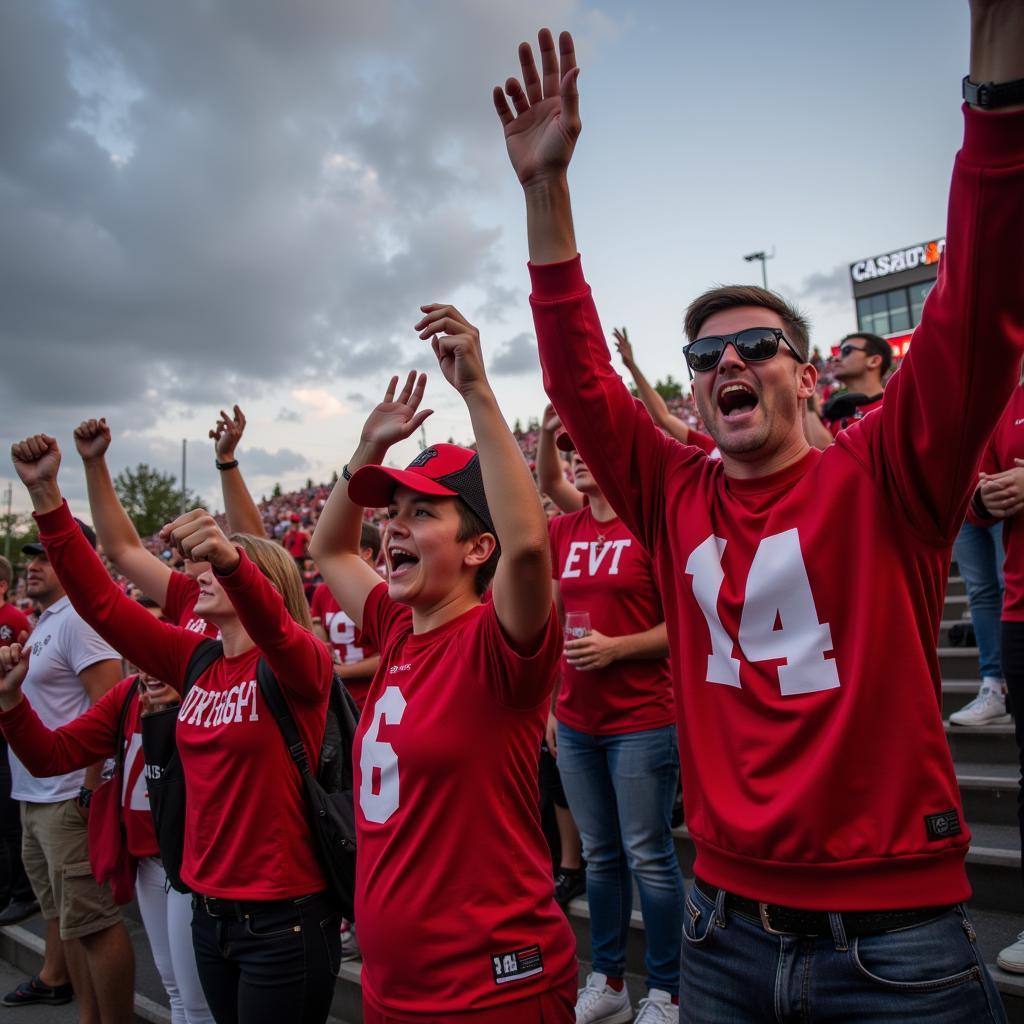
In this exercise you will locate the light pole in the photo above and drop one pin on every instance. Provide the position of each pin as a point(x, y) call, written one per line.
point(764, 257)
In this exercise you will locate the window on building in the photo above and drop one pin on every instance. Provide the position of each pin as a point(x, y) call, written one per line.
point(918, 293)
point(899, 311)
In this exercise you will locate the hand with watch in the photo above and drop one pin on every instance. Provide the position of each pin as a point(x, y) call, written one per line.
point(83, 801)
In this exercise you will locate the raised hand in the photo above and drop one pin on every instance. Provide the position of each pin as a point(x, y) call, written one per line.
point(623, 346)
point(542, 132)
point(395, 419)
point(227, 432)
point(198, 538)
point(36, 460)
point(92, 439)
point(13, 669)
point(550, 422)
point(456, 343)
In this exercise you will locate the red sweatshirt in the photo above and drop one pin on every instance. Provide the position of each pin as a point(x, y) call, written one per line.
point(1006, 445)
point(815, 767)
point(246, 834)
point(84, 741)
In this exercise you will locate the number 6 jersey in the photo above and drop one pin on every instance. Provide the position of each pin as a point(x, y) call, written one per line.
point(454, 895)
point(803, 607)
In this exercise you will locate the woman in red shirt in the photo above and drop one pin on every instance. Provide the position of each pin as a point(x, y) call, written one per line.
point(265, 932)
point(82, 742)
point(454, 896)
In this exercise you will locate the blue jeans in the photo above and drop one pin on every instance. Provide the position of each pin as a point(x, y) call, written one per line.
point(620, 791)
point(268, 962)
point(979, 554)
point(733, 970)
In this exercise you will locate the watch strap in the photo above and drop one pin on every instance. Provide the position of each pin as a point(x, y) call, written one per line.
point(992, 95)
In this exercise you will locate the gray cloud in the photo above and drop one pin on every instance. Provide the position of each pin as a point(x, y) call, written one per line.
point(830, 288)
point(517, 355)
point(200, 195)
point(288, 416)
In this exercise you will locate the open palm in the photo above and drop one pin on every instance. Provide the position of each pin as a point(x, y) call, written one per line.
point(541, 133)
point(395, 419)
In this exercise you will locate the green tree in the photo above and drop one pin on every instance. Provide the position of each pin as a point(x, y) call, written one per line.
point(16, 529)
point(151, 498)
point(669, 388)
point(276, 492)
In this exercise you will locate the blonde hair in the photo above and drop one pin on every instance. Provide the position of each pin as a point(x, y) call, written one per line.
point(279, 567)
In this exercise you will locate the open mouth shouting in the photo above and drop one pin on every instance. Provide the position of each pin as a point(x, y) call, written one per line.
point(736, 400)
point(402, 562)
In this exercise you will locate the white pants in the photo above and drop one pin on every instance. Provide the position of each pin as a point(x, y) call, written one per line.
point(167, 916)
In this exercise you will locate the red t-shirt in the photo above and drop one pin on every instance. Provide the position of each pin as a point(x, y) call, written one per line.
point(454, 896)
point(246, 833)
point(82, 742)
point(346, 640)
point(295, 542)
point(12, 624)
point(179, 606)
point(835, 426)
point(1006, 445)
point(601, 569)
point(815, 768)
point(704, 442)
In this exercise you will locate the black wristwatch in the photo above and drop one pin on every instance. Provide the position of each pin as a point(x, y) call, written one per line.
point(84, 797)
point(223, 466)
point(992, 95)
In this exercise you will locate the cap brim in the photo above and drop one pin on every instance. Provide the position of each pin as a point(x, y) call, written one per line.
point(33, 549)
point(374, 486)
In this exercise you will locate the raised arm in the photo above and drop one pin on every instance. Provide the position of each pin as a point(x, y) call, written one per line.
point(335, 543)
point(114, 530)
point(522, 582)
point(242, 514)
point(159, 648)
point(550, 475)
point(656, 405)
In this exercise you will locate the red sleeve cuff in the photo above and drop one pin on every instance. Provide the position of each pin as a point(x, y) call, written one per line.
point(239, 577)
point(552, 281)
point(55, 522)
point(993, 138)
point(19, 711)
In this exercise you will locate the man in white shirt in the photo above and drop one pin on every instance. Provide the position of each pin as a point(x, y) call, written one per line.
point(87, 943)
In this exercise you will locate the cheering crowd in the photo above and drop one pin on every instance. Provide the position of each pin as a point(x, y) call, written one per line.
point(330, 726)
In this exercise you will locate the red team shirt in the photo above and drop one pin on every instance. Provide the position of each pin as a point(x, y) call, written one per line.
point(12, 623)
point(346, 640)
point(1006, 445)
point(612, 580)
point(454, 898)
point(179, 605)
point(246, 834)
point(83, 741)
point(814, 763)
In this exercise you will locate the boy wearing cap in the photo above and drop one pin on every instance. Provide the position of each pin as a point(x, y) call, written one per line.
point(454, 899)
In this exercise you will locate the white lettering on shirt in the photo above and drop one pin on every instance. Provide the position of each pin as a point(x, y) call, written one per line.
point(207, 708)
point(597, 552)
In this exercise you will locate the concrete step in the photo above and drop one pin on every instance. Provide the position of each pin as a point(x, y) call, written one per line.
point(955, 608)
point(958, 662)
point(947, 624)
point(984, 744)
point(989, 793)
point(956, 586)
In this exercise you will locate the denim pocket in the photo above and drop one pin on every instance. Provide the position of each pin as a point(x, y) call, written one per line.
point(281, 919)
point(927, 957)
point(698, 917)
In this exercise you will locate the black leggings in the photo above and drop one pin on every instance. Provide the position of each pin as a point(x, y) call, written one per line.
point(1013, 670)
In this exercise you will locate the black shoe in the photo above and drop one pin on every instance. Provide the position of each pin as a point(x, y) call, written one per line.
point(18, 910)
point(34, 991)
point(569, 883)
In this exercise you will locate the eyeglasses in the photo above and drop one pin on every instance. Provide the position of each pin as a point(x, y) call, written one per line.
point(845, 350)
point(753, 345)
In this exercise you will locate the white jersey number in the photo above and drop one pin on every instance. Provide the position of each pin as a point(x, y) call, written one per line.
point(379, 806)
point(778, 591)
point(140, 791)
point(342, 630)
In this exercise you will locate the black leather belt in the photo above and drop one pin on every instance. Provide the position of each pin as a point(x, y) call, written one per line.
point(790, 921)
point(238, 909)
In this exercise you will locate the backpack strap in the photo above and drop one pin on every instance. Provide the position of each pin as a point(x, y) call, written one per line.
point(271, 690)
point(122, 719)
point(206, 652)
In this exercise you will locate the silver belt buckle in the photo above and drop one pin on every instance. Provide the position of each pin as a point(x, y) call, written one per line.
point(766, 923)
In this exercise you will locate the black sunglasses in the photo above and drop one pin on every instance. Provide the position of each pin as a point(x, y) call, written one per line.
point(845, 350)
point(753, 345)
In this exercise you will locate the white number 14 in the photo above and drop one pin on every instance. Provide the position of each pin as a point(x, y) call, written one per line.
point(778, 590)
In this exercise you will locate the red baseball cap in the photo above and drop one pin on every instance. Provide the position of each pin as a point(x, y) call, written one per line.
point(443, 470)
point(564, 442)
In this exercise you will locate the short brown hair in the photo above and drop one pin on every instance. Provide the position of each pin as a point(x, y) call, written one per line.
point(279, 567)
point(471, 525)
point(369, 537)
point(874, 345)
point(6, 571)
point(732, 296)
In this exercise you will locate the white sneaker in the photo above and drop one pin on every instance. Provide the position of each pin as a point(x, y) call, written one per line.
point(988, 708)
point(657, 1008)
point(1012, 958)
point(596, 1003)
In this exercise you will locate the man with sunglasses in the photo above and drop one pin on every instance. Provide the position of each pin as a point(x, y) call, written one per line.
point(860, 365)
point(818, 783)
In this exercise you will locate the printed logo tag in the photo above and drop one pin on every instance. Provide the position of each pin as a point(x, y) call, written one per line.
point(942, 826)
point(519, 964)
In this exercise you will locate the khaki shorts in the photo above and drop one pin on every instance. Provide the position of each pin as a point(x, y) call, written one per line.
point(55, 850)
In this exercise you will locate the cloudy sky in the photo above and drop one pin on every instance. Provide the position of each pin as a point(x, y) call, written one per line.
point(247, 200)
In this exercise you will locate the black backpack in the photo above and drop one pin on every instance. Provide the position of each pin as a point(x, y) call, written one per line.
point(328, 795)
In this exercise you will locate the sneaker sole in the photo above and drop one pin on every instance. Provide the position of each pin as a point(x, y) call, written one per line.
point(1012, 968)
point(36, 1002)
point(998, 720)
point(623, 1016)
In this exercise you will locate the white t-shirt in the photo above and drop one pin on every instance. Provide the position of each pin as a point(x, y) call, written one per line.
point(62, 646)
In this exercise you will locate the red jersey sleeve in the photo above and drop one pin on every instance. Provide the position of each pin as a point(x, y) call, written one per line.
point(80, 743)
point(161, 649)
point(942, 404)
point(384, 620)
point(300, 660)
point(627, 454)
point(704, 442)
